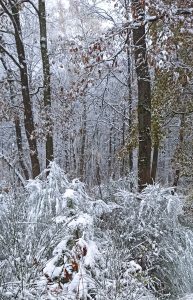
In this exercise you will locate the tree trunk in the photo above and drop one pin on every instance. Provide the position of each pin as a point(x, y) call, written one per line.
point(16, 119)
point(28, 114)
point(129, 59)
point(122, 169)
point(144, 99)
point(83, 143)
point(179, 150)
point(110, 153)
point(154, 162)
point(20, 146)
point(46, 80)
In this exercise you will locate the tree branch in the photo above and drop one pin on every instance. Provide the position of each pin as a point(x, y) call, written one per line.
point(182, 112)
point(4, 158)
point(36, 92)
point(2, 49)
point(33, 5)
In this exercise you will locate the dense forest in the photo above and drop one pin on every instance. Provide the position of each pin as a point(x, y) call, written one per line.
point(96, 133)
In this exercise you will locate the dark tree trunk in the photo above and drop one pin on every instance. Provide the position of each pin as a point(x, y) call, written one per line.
point(20, 146)
point(179, 149)
point(122, 169)
point(46, 80)
point(129, 60)
point(144, 100)
point(28, 114)
point(154, 162)
point(16, 119)
point(110, 153)
point(83, 143)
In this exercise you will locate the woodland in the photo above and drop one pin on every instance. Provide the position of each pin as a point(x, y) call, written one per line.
point(96, 149)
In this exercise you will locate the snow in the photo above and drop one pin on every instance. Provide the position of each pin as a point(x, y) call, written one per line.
point(100, 207)
point(81, 221)
point(188, 297)
point(51, 270)
point(34, 185)
point(60, 247)
point(133, 267)
point(190, 30)
point(83, 254)
point(69, 193)
point(92, 254)
point(78, 284)
point(60, 219)
point(147, 298)
point(150, 18)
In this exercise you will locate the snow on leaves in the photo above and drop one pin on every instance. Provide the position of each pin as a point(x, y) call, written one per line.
point(86, 249)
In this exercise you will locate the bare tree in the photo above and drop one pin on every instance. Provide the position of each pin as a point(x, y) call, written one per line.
point(16, 118)
point(46, 79)
point(144, 95)
point(11, 9)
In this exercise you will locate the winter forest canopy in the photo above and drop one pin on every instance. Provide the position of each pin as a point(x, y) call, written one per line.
point(96, 105)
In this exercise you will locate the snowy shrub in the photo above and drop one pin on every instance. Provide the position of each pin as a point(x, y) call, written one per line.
point(145, 230)
point(58, 243)
point(107, 191)
point(72, 270)
point(51, 217)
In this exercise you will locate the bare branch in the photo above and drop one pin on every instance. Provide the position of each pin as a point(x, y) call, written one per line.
point(36, 92)
point(5, 159)
point(33, 5)
point(182, 112)
point(2, 49)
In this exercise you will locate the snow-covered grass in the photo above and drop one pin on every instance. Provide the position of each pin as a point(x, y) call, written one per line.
point(56, 242)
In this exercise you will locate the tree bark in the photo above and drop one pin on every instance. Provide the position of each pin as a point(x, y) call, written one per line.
point(83, 143)
point(28, 114)
point(20, 146)
point(179, 149)
point(154, 162)
point(144, 98)
point(129, 60)
point(16, 119)
point(46, 80)
point(110, 153)
point(122, 169)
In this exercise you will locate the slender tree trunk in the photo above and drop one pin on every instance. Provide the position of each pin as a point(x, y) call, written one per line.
point(129, 59)
point(144, 99)
point(16, 119)
point(154, 161)
point(179, 149)
point(98, 177)
point(28, 114)
point(130, 113)
point(130, 104)
point(83, 143)
point(66, 151)
point(20, 146)
point(122, 169)
point(46, 80)
point(114, 148)
point(72, 154)
point(110, 153)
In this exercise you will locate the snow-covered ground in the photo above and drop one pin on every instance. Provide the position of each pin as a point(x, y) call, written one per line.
point(188, 297)
point(68, 244)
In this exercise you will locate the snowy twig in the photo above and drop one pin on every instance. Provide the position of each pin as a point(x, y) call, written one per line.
point(22, 180)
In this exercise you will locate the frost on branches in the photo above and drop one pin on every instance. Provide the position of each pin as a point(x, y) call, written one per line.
point(71, 272)
point(52, 252)
point(75, 264)
point(58, 243)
